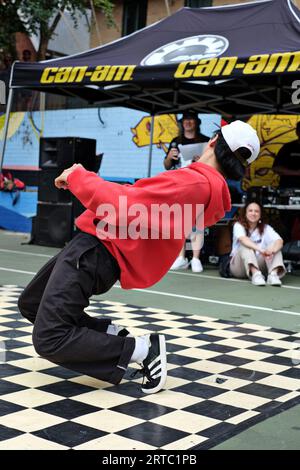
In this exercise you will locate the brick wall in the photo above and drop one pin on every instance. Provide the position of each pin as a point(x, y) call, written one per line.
point(23, 42)
point(107, 34)
point(156, 11)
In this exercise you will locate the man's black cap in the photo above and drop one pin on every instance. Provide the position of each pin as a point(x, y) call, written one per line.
point(191, 115)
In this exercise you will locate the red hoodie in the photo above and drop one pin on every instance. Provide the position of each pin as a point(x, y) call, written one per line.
point(143, 262)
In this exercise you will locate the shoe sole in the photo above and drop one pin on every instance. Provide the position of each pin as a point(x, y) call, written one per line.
point(184, 266)
point(197, 271)
point(163, 362)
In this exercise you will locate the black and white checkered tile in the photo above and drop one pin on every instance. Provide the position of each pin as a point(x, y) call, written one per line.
point(223, 377)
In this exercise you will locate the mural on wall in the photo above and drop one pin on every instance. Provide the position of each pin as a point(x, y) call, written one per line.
point(123, 135)
point(124, 138)
point(15, 122)
point(273, 131)
point(165, 129)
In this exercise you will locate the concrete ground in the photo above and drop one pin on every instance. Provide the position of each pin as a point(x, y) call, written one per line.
point(204, 294)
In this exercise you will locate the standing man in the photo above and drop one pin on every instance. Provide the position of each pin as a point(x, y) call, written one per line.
point(100, 254)
point(189, 134)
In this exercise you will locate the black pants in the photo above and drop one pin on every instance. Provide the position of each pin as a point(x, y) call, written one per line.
point(54, 302)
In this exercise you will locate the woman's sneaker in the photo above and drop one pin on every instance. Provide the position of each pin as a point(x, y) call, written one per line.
point(196, 265)
point(154, 367)
point(258, 279)
point(273, 280)
point(180, 263)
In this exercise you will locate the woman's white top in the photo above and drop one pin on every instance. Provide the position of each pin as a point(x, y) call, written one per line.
point(263, 240)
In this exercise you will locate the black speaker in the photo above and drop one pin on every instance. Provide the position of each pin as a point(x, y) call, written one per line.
point(47, 191)
point(78, 208)
point(63, 152)
point(54, 224)
point(57, 208)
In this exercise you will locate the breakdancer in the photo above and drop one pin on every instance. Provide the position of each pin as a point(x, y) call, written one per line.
point(122, 238)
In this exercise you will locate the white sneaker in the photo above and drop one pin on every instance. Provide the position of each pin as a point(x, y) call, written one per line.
point(196, 265)
point(258, 279)
point(180, 263)
point(273, 280)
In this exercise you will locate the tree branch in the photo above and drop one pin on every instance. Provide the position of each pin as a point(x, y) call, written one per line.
point(55, 22)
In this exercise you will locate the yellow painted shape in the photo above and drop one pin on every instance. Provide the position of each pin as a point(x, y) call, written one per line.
point(15, 121)
point(165, 129)
point(274, 130)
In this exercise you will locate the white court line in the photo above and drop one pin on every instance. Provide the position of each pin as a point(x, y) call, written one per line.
point(16, 271)
point(25, 253)
point(188, 297)
point(207, 276)
point(221, 302)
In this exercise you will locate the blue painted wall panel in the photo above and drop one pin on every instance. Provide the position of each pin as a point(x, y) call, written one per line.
point(112, 130)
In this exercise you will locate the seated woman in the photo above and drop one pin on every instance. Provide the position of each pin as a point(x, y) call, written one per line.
point(256, 248)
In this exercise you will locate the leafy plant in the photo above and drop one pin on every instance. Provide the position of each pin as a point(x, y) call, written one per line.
point(41, 17)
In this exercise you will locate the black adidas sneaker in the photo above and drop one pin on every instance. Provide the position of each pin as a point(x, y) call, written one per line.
point(123, 332)
point(154, 367)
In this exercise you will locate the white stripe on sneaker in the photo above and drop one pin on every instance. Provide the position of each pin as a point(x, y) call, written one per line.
point(157, 369)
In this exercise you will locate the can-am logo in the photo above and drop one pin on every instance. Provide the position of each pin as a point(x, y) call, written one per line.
point(185, 49)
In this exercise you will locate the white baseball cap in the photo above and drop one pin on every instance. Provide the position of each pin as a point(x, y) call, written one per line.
point(240, 134)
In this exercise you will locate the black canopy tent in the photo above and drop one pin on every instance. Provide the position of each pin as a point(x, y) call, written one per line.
point(235, 60)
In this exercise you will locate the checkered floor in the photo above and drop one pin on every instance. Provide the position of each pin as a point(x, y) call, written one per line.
point(223, 377)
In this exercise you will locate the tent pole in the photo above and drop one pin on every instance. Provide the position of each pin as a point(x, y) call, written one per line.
point(151, 144)
point(96, 22)
point(7, 114)
point(168, 7)
point(77, 42)
point(42, 111)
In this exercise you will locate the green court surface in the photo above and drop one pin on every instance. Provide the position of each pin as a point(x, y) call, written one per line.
point(204, 294)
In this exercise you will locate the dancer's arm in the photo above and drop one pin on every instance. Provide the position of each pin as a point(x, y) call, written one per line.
point(93, 191)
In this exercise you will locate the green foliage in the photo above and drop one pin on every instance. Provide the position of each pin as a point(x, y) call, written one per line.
point(41, 17)
point(9, 24)
point(107, 8)
point(38, 14)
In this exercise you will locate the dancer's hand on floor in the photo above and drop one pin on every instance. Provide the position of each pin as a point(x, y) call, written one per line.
point(61, 182)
